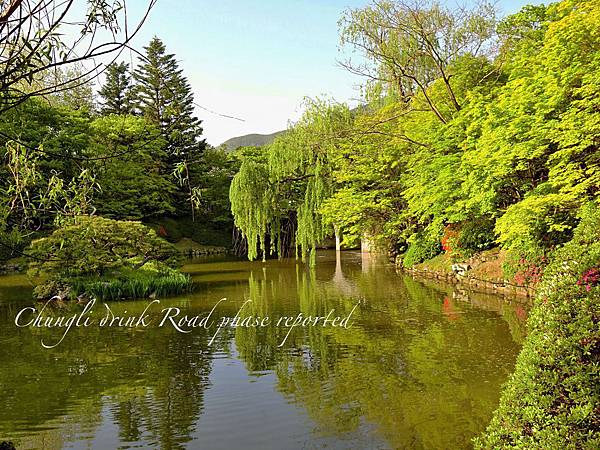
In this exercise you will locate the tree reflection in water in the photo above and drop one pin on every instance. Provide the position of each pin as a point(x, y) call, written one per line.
point(420, 367)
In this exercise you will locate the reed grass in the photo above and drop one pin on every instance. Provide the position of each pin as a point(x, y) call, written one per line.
point(134, 285)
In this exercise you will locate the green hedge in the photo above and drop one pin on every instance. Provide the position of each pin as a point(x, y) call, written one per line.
point(422, 246)
point(552, 399)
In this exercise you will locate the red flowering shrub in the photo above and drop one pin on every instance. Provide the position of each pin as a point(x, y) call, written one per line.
point(530, 274)
point(464, 239)
point(589, 278)
point(525, 265)
point(450, 238)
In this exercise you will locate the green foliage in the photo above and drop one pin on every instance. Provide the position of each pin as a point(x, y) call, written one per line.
point(106, 259)
point(74, 89)
point(367, 172)
point(59, 160)
point(551, 401)
point(144, 283)
point(164, 97)
point(204, 233)
point(524, 31)
point(39, 187)
point(51, 134)
point(462, 240)
point(212, 177)
point(547, 219)
point(49, 49)
point(422, 246)
point(285, 184)
point(253, 202)
point(153, 280)
point(97, 246)
point(348, 210)
point(396, 37)
point(116, 93)
point(531, 159)
point(476, 235)
point(130, 168)
point(503, 144)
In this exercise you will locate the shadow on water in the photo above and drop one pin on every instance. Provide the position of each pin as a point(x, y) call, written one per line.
point(420, 367)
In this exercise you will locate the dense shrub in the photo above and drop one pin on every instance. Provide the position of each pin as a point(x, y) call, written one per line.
point(552, 401)
point(96, 246)
point(422, 246)
point(524, 264)
point(476, 235)
point(463, 240)
point(93, 252)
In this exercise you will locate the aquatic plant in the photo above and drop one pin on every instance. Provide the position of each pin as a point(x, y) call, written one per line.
point(131, 286)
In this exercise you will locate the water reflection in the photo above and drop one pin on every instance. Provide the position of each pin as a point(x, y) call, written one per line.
point(421, 366)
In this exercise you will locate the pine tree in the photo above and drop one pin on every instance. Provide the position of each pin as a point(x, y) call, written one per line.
point(117, 90)
point(164, 97)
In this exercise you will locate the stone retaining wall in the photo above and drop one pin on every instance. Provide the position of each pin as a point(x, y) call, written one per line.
point(476, 284)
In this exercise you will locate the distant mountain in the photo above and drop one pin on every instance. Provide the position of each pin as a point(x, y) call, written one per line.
point(250, 140)
point(258, 140)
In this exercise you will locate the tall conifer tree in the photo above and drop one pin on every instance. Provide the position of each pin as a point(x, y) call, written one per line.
point(164, 96)
point(117, 90)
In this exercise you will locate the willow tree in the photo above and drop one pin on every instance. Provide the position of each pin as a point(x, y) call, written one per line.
point(407, 45)
point(287, 182)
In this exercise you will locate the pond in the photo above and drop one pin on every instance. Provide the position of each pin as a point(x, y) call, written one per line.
point(420, 365)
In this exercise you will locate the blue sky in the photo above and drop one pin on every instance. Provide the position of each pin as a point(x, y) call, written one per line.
point(257, 60)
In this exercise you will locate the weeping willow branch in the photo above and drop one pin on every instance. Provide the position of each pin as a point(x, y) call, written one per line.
point(288, 181)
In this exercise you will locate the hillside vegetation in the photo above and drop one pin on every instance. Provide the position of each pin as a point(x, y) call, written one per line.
point(477, 133)
point(250, 140)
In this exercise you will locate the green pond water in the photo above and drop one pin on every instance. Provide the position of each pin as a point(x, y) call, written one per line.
point(420, 365)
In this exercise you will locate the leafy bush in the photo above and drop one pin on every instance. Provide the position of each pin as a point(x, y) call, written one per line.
point(476, 235)
point(105, 258)
point(422, 246)
point(524, 264)
point(552, 401)
point(95, 246)
point(462, 240)
point(546, 218)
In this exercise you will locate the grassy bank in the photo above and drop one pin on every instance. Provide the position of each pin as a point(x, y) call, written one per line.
point(191, 248)
point(484, 270)
point(134, 285)
point(147, 282)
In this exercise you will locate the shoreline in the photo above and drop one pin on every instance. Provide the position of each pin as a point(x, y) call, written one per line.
point(481, 272)
point(475, 284)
